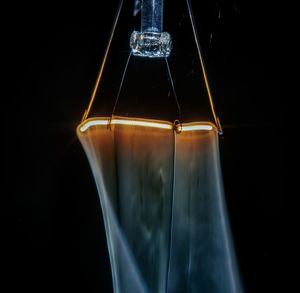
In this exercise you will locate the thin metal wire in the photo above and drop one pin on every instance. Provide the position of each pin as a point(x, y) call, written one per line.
point(87, 111)
point(173, 88)
point(121, 84)
point(217, 121)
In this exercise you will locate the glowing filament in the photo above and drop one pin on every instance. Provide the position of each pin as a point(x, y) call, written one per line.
point(139, 122)
point(142, 123)
point(195, 127)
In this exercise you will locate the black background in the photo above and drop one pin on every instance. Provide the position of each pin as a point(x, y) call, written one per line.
point(52, 231)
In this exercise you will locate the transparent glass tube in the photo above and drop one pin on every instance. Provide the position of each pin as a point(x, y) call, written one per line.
point(152, 16)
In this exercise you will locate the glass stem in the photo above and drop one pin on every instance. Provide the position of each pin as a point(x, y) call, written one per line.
point(152, 16)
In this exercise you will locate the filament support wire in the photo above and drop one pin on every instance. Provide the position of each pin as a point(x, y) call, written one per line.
point(197, 41)
point(87, 111)
point(173, 88)
point(121, 84)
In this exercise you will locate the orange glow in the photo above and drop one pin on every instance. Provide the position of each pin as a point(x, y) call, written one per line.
point(85, 125)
